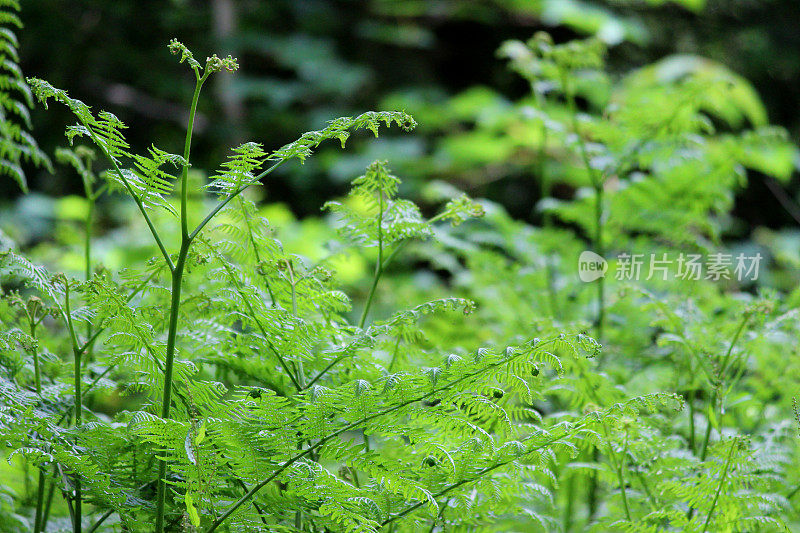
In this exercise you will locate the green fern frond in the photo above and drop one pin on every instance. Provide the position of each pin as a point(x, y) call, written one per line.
point(16, 144)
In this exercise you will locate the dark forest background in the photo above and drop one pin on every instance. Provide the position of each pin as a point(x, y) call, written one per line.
point(307, 61)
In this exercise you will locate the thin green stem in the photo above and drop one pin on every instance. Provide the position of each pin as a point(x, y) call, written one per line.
point(599, 250)
point(568, 510)
point(78, 399)
point(681, 335)
point(87, 247)
point(386, 261)
point(707, 437)
point(36, 369)
point(704, 449)
point(394, 354)
point(715, 398)
point(593, 489)
point(175, 304)
point(166, 399)
point(439, 515)
point(616, 463)
point(596, 180)
point(378, 264)
point(100, 521)
point(37, 523)
point(298, 515)
point(545, 192)
point(65, 494)
point(187, 149)
point(690, 400)
point(327, 368)
point(734, 443)
point(48, 502)
point(299, 372)
point(724, 366)
point(647, 492)
point(87, 244)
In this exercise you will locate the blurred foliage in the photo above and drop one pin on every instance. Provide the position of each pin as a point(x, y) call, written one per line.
point(304, 61)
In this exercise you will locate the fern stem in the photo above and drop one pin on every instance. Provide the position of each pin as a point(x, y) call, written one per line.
point(616, 463)
point(177, 282)
point(327, 368)
point(690, 400)
point(383, 265)
point(37, 523)
point(100, 521)
point(665, 310)
point(394, 353)
point(703, 453)
point(300, 381)
point(707, 437)
point(734, 443)
point(66, 495)
point(378, 263)
point(599, 250)
point(36, 366)
point(568, 510)
point(723, 367)
point(87, 249)
point(78, 398)
point(48, 502)
point(289, 462)
point(376, 277)
point(166, 399)
point(646, 488)
point(596, 180)
point(439, 515)
point(300, 373)
point(241, 485)
point(545, 192)
point(187, 149)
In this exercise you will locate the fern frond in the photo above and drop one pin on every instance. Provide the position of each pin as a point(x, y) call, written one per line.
point(16, 143)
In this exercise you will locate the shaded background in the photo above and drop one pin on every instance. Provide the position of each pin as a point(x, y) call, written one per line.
point(307, 61)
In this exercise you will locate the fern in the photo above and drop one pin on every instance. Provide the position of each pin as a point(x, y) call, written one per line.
point(17, 145)
point(263, 392)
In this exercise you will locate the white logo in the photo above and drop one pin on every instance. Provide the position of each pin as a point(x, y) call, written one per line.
point(591, 266)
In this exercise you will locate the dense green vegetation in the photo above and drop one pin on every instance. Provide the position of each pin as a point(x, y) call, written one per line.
point(183, 354)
